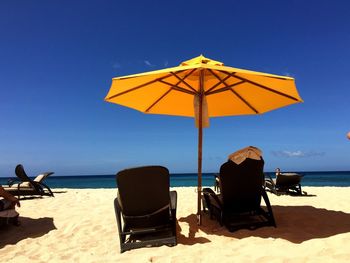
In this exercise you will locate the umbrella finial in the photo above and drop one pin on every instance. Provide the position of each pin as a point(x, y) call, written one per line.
point(201, 60)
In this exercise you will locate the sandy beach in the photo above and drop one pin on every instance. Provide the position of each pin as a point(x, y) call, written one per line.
point(78, 225)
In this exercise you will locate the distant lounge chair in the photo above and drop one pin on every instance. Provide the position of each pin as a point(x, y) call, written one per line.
point(238, 204)
point(27, 186)
point(285, 183)
point(145, 208)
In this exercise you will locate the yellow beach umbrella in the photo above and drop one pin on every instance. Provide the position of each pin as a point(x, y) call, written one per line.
point(203, 88)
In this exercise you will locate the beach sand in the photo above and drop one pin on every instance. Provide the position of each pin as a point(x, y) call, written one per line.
point(78, 225)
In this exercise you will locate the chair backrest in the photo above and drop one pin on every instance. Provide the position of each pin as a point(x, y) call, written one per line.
point(241, 185)
point(143, 191)
point(42, 177)
point(21, 174)
point(287, 179)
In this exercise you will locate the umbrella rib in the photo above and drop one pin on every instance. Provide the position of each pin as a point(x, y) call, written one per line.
point(172, 87)
point(138, 87)
point(233, 91)
point(263, 87)
point(159, 99)
point(245, 101)
point(183, 80)
point(228, 87)
point(217, 84)
point(175, 87)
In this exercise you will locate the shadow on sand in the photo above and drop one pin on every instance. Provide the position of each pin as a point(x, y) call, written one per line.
point(190, 238)
point(305, 194)
point(296, 224)
point(30, 197)
point(29, 228)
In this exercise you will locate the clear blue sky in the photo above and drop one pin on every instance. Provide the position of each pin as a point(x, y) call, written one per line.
point(57, 59)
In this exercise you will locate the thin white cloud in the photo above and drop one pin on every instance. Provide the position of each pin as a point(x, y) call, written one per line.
point(296, 154)
point(148, 63)
point(166, 63)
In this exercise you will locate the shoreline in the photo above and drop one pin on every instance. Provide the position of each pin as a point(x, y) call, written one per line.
point(322, 178)
point(79, 225)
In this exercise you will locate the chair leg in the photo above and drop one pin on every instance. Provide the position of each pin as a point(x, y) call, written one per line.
point(48, 189)
point(173, 206)
point(122, 236)
point(271, 218)
point(221, 220)
point(299, 189)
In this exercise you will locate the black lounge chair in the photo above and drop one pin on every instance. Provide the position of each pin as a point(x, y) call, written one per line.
point(238, 204)
point(26, 186)
point(285, 183)
point(145, 208)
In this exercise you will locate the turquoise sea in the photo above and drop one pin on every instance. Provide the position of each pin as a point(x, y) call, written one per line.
point(186, 179)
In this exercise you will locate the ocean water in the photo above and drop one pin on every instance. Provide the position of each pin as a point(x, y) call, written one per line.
point(188, 179)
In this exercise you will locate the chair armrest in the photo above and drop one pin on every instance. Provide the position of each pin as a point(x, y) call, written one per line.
point(213, 197)
point(268, 181)
point(11, 181)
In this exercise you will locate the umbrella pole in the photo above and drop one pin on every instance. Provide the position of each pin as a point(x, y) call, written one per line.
point(200, 141)
point(199, 186)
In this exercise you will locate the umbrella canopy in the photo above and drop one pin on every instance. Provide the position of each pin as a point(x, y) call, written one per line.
point(203, 88)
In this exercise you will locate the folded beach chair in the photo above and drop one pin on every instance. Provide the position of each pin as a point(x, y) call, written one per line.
point(145, 208)
point(27, 186)
point(285, 183)
point(239, 203)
